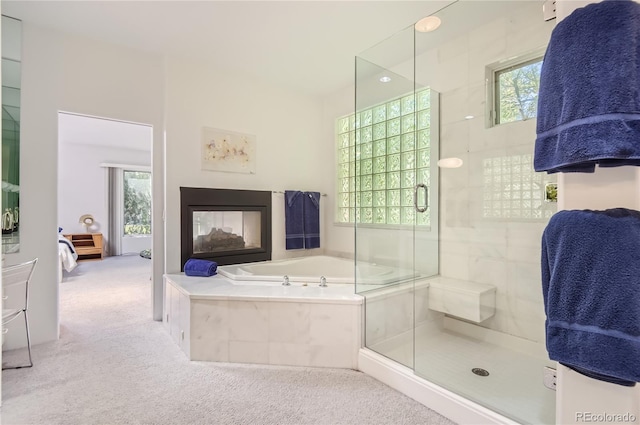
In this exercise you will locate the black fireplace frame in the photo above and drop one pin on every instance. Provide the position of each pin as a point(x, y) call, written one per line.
point(206, 199)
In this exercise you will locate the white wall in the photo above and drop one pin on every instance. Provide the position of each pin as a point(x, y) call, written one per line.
point(291, 144)
point(83, 183)
point(135, 244)
point(340, 238)
point(66, 73)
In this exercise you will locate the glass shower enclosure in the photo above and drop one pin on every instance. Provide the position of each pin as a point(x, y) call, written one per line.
point(443, 191)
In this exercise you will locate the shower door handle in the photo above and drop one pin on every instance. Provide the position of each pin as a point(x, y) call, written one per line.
point(426, 197)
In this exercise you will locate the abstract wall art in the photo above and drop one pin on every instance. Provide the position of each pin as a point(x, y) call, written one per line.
point(228, 151)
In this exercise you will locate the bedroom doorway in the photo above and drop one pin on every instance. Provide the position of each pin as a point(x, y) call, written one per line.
point(104, 189)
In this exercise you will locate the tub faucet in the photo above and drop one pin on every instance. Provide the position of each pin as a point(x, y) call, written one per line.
point(285, 280)
point(323, 281)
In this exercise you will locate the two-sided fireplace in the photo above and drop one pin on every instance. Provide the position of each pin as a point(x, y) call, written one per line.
point(224, 225)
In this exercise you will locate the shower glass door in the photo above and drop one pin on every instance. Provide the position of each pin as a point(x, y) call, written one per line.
point(447, 257)
point(395, 194)
point(488, 345)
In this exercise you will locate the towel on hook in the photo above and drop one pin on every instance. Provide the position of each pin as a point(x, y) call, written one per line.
point(591, 288)
point(294, 219)
point(199, 267)
point(588, 103)
point(311, 220)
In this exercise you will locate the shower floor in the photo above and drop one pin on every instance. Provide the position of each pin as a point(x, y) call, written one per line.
point(513, 388)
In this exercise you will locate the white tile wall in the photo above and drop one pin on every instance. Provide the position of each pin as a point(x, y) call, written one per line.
point(497, 252)
point(483, 140)
point(399, 316)
point(209, 330)
point(456, 211)
point(454, 137)
point(293, 333)
point(289, 323)
point(455, 265)
point(248, 352)
point(487, 44)
point(249, 321)
point(453, 109)
point(292, 354)
point(393, 312)
point(526, 32)
point(421, 304)
point(376, 329)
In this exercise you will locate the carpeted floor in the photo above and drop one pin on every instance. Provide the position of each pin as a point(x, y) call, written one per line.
point(114, 365)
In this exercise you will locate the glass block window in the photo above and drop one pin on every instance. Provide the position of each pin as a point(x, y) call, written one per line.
point(382, 152)
point(513, 190)
point(516, 91)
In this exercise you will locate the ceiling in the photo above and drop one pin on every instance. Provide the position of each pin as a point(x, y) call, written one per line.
point(306, 46)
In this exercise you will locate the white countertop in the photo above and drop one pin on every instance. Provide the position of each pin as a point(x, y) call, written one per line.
point(221, 288)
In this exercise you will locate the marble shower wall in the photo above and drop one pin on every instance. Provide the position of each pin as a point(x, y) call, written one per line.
point(492, 212)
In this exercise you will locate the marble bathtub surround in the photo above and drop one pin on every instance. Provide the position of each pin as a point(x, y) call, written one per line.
point(212, 319)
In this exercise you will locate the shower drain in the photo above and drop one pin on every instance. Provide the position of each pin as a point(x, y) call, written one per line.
point(479, 371)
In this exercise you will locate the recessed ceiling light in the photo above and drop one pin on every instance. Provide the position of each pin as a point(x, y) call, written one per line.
point(469, 117)
point(428, 24)
point(450, 163)
point(385, 79)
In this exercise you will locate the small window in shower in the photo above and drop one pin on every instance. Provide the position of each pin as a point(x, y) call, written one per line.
point(514, 89)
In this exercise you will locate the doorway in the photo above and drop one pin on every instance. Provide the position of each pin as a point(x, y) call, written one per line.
point(104, 187)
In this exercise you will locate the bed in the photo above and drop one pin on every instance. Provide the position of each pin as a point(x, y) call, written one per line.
point(67, 253)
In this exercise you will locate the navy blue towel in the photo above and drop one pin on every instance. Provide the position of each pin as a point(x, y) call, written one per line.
point(294, 219)
point(589, 98)
point(591, 289)
point(311, 220)
point(198, 267)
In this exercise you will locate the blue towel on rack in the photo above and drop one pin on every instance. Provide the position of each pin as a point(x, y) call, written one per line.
point(591, 288)
point(589, 101)
point(199, 267)
point(311, 220)
point(294, 219)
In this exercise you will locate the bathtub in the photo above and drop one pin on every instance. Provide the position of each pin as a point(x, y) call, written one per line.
point(308, 270)
point(221, 319)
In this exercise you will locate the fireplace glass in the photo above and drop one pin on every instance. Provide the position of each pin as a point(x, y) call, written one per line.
point(216, 231)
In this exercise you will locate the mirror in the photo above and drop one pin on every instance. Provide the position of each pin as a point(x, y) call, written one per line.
point(11, 56)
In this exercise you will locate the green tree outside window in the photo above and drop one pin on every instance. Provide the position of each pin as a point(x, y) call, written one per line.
point(137, 203)
point(517, 92)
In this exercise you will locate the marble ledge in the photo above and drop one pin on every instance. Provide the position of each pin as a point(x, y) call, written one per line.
point(221, 288)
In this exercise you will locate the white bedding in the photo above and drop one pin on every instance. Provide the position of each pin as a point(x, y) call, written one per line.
point(67, 257)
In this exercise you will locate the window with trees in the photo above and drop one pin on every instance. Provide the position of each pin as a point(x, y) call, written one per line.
point(515, 90)
point(137, 203)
